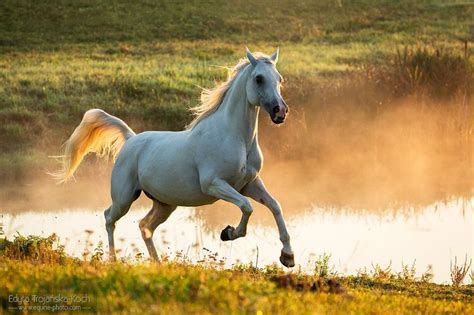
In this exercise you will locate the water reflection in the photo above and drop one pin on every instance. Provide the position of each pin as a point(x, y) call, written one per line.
point(354, 240)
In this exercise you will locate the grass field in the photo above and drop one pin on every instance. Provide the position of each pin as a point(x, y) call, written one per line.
point(145, 61)
point(35, 266)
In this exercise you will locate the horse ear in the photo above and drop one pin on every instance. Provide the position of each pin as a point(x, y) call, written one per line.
point(252, 59)
point(275, 55)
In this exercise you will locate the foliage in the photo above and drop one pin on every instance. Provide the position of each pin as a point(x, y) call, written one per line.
point(321, 266)
point(428, 275)
point(98, 254)
point(408, 272)
point(180, 287)
point(34, 248)
point(378, 272)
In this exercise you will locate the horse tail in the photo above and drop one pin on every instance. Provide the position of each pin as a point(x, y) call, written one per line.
point(98, 132)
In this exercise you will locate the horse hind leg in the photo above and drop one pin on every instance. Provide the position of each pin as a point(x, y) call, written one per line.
point(158, 214)
point(117, 210)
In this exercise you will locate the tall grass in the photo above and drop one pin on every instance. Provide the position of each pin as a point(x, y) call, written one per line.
point(425, 71)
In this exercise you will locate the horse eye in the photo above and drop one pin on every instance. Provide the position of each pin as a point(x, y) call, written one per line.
point(259, 79)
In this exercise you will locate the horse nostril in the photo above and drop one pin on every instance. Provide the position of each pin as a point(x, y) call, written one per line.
point(287, 110)
point(276, 109)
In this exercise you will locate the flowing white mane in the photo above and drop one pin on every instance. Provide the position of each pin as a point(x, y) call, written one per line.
point(212, 98)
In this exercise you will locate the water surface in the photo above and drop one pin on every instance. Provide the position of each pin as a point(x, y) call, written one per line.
point(355, 240)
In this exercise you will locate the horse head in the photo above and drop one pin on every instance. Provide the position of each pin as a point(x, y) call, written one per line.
point(264, 86)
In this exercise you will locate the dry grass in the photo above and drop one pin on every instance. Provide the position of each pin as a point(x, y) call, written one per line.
point(458, 273)
point(424, 71)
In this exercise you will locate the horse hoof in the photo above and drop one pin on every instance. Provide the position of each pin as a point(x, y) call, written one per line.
point(287, 260)
point(226, 233)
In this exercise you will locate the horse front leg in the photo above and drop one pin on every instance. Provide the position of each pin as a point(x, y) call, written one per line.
point(221, 189)
point(257, 191)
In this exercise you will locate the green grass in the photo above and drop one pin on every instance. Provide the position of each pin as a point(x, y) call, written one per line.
point(175, 287)
point(34, 266)
point(53, 24)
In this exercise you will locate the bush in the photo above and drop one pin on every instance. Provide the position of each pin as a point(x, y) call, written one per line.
point(34, 248)
point(425, 71)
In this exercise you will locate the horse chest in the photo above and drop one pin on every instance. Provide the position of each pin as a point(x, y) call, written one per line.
point(249, 170)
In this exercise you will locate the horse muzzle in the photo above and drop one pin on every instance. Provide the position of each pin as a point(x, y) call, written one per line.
point(278, 112)
point(278, 120)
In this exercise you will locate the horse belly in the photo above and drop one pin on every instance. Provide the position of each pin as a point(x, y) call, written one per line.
point(174, 182)
point(178, 193)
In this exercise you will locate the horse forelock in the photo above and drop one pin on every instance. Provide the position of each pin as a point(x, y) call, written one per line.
point(211, 99)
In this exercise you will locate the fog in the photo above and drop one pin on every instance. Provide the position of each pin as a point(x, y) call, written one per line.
point(332, 152)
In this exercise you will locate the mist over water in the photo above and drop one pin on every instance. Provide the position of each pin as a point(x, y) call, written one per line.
point(407, 157)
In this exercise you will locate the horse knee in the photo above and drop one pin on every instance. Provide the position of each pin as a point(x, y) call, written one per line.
point(109, 222)
point(246, 207)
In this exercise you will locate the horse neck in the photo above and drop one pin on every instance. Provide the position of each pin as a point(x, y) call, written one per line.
point(237, 115)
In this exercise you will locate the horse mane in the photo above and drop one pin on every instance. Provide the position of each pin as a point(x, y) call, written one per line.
point(211, 99)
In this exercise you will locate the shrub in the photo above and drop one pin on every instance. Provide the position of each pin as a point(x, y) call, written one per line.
point(408, 272)
point(34, 248)
point(426, 71)
point(321, 267)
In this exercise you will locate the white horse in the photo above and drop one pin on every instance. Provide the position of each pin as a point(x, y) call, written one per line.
point(216, 157)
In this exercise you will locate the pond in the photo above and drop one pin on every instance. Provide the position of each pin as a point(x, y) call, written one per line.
point(433, 235)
